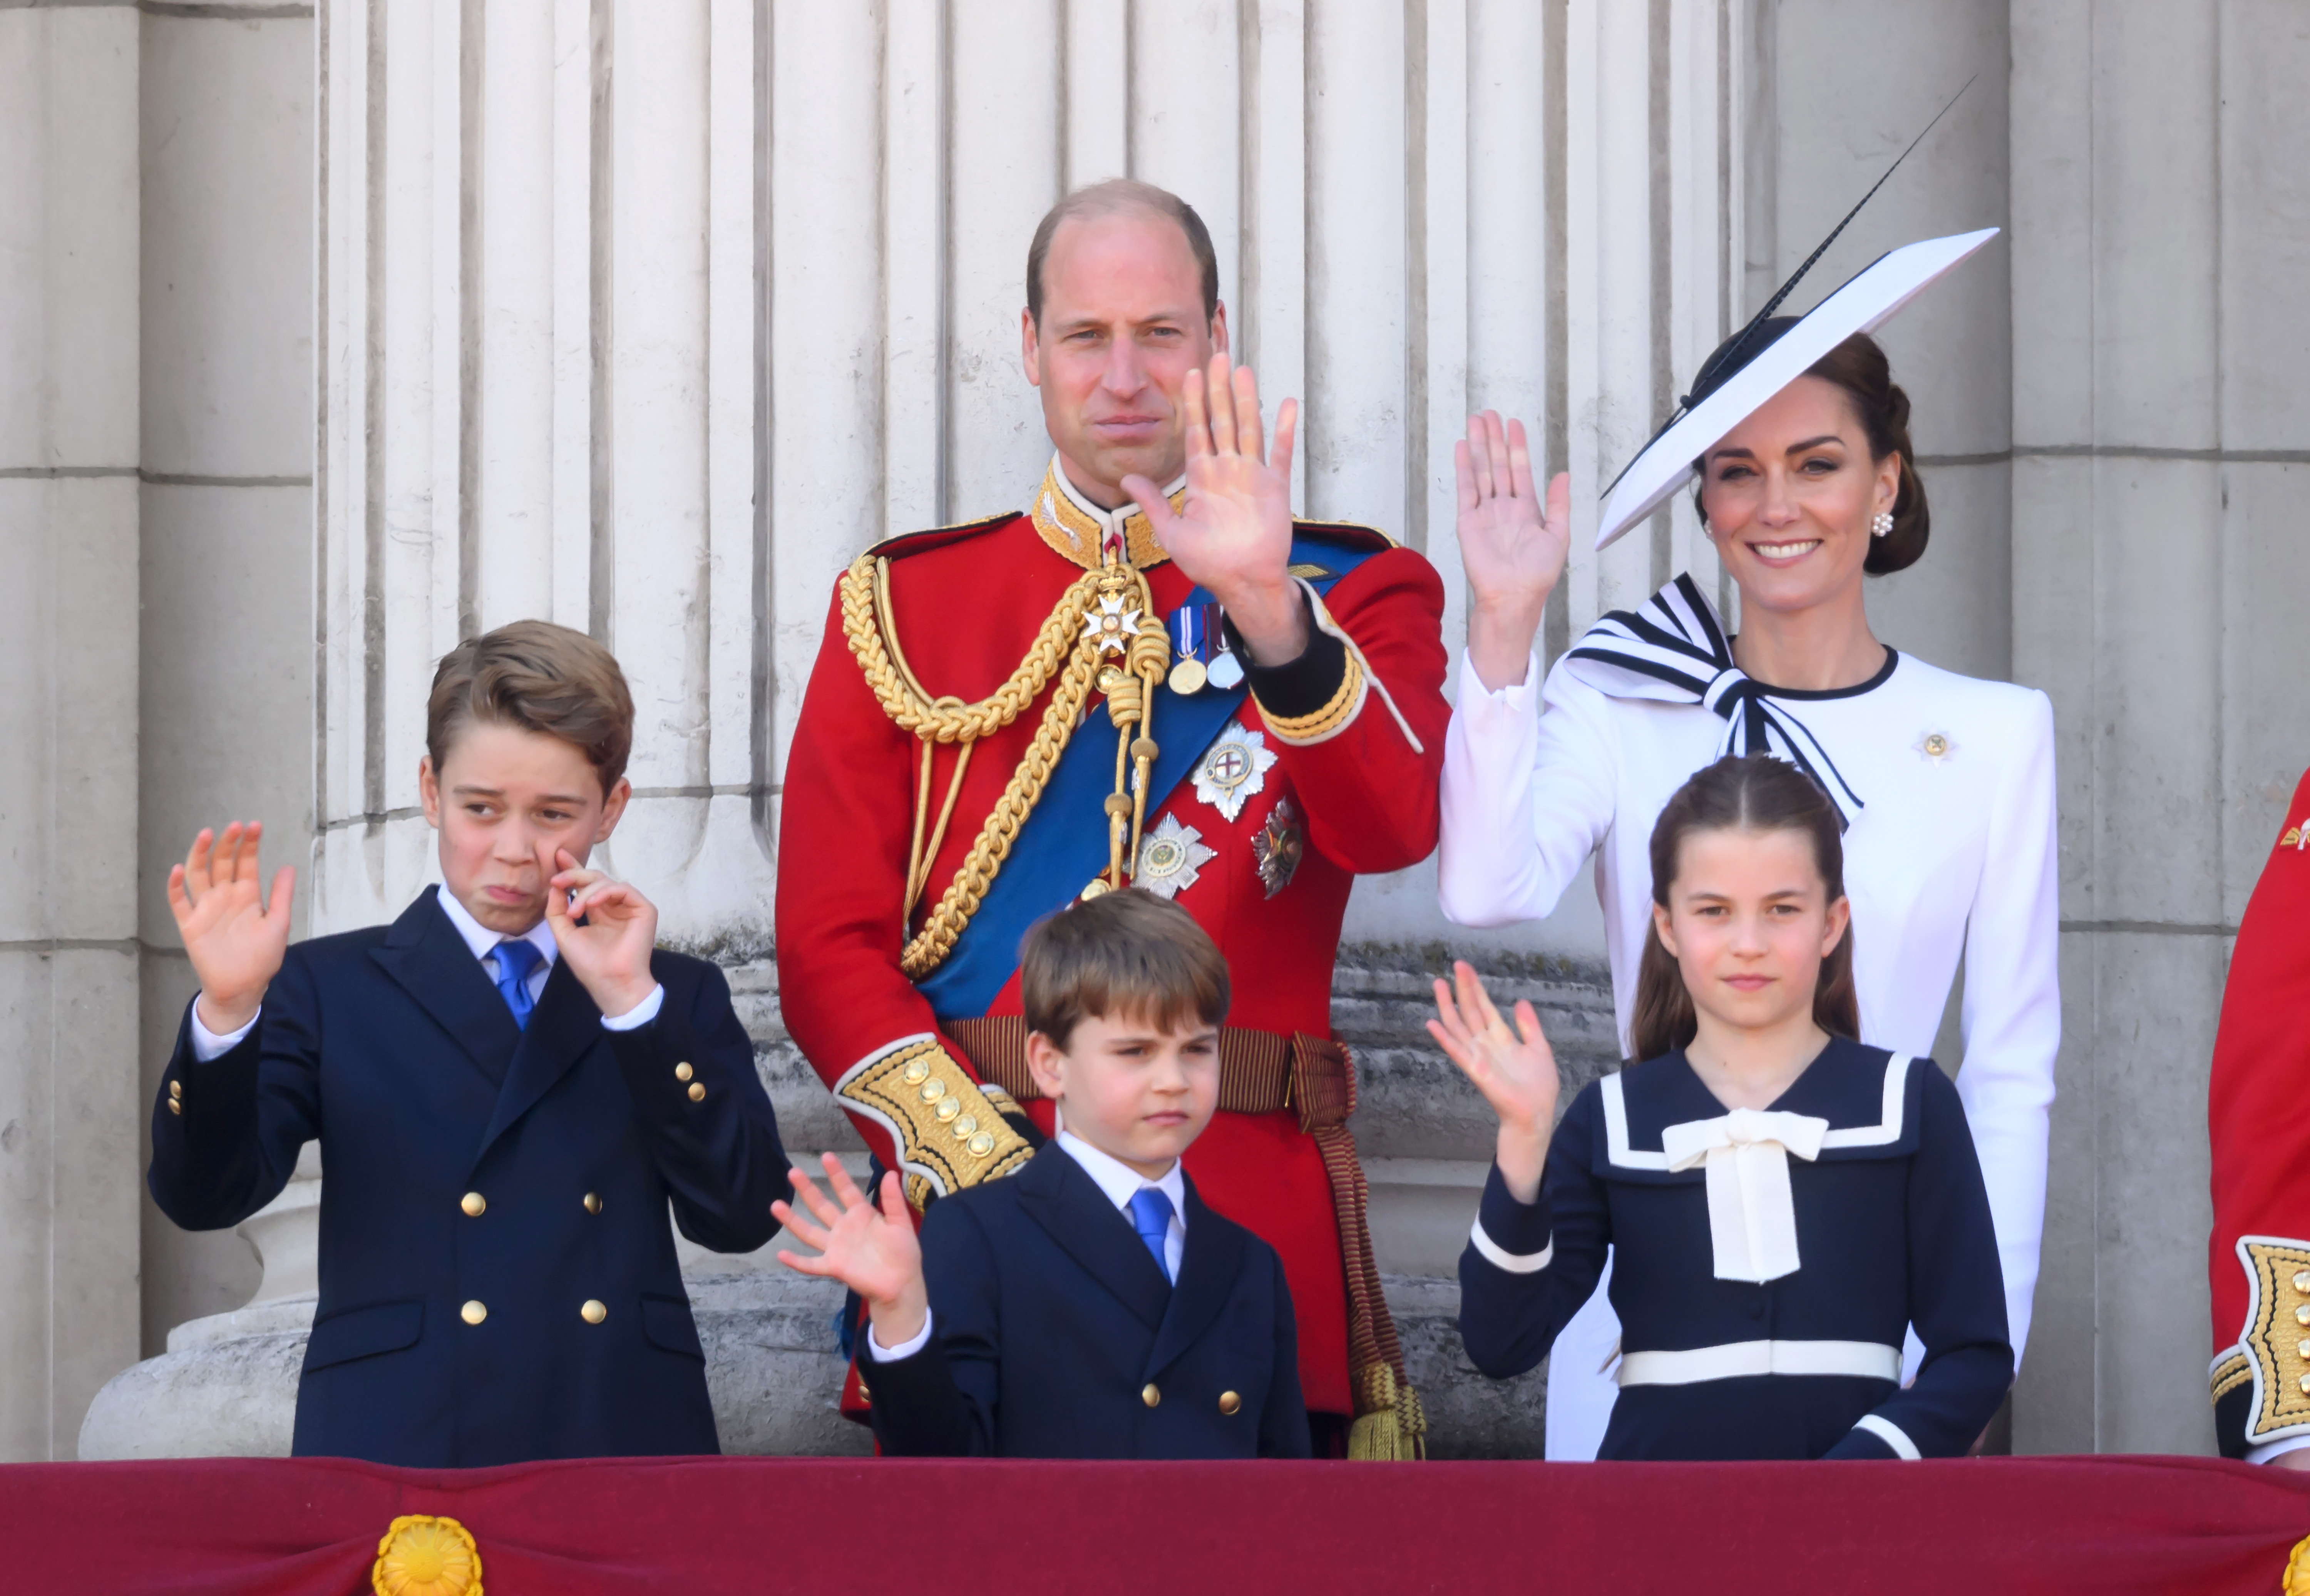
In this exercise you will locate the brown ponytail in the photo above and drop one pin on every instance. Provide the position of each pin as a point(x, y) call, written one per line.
point(1754, 792)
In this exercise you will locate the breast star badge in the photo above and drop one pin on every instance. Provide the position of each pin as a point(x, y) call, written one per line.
point(1278, 847)
point(1234, 770)
point(1111, 625)
point(1170, 856)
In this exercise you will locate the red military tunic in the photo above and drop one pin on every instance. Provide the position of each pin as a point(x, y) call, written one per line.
point(1355, 779)
point(2258, 1118)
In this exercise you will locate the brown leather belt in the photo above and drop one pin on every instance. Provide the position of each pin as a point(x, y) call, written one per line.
point(1259, 1072)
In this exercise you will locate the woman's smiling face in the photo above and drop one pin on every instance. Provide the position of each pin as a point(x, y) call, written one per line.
point(1789, 495)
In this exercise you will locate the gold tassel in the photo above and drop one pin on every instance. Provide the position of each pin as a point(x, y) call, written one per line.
point(1392, 1428)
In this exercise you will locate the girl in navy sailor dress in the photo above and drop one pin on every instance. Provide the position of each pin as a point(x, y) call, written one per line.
point(1784, 1201)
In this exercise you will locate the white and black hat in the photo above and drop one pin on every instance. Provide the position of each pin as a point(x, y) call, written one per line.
point(1773, 351)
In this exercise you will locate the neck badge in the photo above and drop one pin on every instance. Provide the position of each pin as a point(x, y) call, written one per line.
point(1170, 857)
point(1234, 770)
point(1279, 847)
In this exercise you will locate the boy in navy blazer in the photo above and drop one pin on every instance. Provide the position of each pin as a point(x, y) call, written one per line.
point(508, 1084)
point(1090, 1305)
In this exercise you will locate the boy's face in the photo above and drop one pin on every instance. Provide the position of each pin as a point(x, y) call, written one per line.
point(1135, 1092)
point(506, 800)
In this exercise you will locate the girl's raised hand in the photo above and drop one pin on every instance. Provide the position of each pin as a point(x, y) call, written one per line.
point(1515, 1070)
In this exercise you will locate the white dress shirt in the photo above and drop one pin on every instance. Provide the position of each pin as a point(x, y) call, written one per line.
point(1121, 1183)
point(1953, 856)
point(207, 1045)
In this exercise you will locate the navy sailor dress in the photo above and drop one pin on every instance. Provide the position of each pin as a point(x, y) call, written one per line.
point(1770, 1262)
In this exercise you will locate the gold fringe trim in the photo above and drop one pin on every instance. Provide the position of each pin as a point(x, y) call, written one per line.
point(1390, 1425)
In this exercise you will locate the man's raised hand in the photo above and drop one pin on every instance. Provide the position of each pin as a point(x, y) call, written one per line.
point(1515, 1070)
point(610, 954)
point(235, 938)
point(873, 1251)
point(1511, 549)
point(1235, 538)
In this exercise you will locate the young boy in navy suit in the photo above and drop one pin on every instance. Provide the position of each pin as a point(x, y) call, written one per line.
point(508, 1084)
point(1089, 1305)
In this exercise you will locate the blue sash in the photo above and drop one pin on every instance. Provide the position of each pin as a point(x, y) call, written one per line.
point(1063, 843)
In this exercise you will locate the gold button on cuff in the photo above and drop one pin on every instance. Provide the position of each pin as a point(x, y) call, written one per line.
point(1150, 1396)
point(1230, 1404)
point(2302, 1314)
point(473, 1311)
point(473, 1202)
point(175, 1107)
point(681, 1071)
point(2301, 1276)
point(592, 1202)
point(981, 1145)
point(2305, 1384)
point(698, 1091)
point(933, 1090)
point(947, 1110)
point(593, 1313)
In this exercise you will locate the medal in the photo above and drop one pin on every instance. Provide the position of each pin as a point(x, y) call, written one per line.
point(1191, 640)
point(1278, 847)
point(1234, 769)
point(1170, 857)
point(1187, 677)
point(1226, 671)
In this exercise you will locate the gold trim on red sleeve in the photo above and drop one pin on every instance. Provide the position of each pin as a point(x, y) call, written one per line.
point(948, 1133)
point(2277, 1339)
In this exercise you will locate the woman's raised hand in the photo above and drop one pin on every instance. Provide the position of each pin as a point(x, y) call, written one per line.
point(1515, 1070)
point(234, 935)
point(1511, 549)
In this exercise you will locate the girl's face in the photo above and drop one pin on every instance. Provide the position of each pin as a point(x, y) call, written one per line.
point(1749, 921)
point(1789, 495)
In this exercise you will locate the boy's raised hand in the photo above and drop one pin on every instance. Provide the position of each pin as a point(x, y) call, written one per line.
point(873, 1251)
point(610, 954)
point(234, 937)
point(1515, 1070)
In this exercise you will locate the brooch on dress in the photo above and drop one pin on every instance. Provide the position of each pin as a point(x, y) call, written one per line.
point(1234, 770)
point(1934, 747)
point(1277, 846)
point(1170, 856)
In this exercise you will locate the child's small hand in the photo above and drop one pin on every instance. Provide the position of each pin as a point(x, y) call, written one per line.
point(873, 1252)
point(234, 937)
point(1515, 1071)
point(610, 954)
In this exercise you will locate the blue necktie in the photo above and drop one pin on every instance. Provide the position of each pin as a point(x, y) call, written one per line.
point(515, 959)
point(1151, 1216)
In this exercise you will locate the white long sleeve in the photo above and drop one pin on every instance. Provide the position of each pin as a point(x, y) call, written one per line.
point(1527, 798)
point(2011, 1015)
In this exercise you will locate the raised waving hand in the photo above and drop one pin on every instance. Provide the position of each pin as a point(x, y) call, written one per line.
point(1234, 536)
point(234, 934)
point(870, 1250)
point(1512, 547)
point(1515, 1070)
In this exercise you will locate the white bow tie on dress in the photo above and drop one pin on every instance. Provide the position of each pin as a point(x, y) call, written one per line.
point(1753, 1222)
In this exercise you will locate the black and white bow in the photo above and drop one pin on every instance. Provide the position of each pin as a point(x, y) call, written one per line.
point(1671, 649)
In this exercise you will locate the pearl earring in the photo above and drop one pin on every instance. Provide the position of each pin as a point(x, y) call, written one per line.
point(1880, 522)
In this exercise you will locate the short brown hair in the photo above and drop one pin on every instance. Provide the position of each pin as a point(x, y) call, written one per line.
point(1751, 792)
point(1114, 195)
point(1127, 953)
point(542, 678)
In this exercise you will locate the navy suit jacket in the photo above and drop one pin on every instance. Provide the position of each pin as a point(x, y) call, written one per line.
point(393, 1047)
point(1056, 1334)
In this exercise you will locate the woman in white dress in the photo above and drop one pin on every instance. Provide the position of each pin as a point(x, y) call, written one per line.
point(1946, 782)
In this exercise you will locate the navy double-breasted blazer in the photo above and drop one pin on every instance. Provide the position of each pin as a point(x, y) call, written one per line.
point(498, 1279)
point(1056, 1335)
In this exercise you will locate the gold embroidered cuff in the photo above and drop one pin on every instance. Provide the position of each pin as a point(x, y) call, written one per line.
point(948, 1134)
point(2231, 1370)
point(1329, 721)
point(2277, 1340)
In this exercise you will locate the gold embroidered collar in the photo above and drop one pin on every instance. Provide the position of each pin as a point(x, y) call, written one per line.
point(1075, 528)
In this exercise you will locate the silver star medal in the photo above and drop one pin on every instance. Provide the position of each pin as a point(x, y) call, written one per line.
point(1111, 625)
point(1234, 770)
point(1170, 857)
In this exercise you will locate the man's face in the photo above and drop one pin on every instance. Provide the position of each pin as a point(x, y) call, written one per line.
point(1122, 325)
point(504, 800)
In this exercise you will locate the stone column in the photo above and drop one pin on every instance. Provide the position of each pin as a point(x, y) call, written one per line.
point(69, 450)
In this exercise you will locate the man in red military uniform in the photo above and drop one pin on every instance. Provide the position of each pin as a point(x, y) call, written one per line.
point(1151, 677)
point(2258, 1115)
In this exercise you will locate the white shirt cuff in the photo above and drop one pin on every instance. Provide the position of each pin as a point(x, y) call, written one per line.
point(904, 1350)
point(207, 1045)
point(1516, 696)
point(2271, 1449)
point(633, 1019)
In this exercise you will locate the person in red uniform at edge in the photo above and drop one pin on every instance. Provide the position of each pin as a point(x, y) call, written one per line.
point(1152, 676)
point(2259, 1259)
